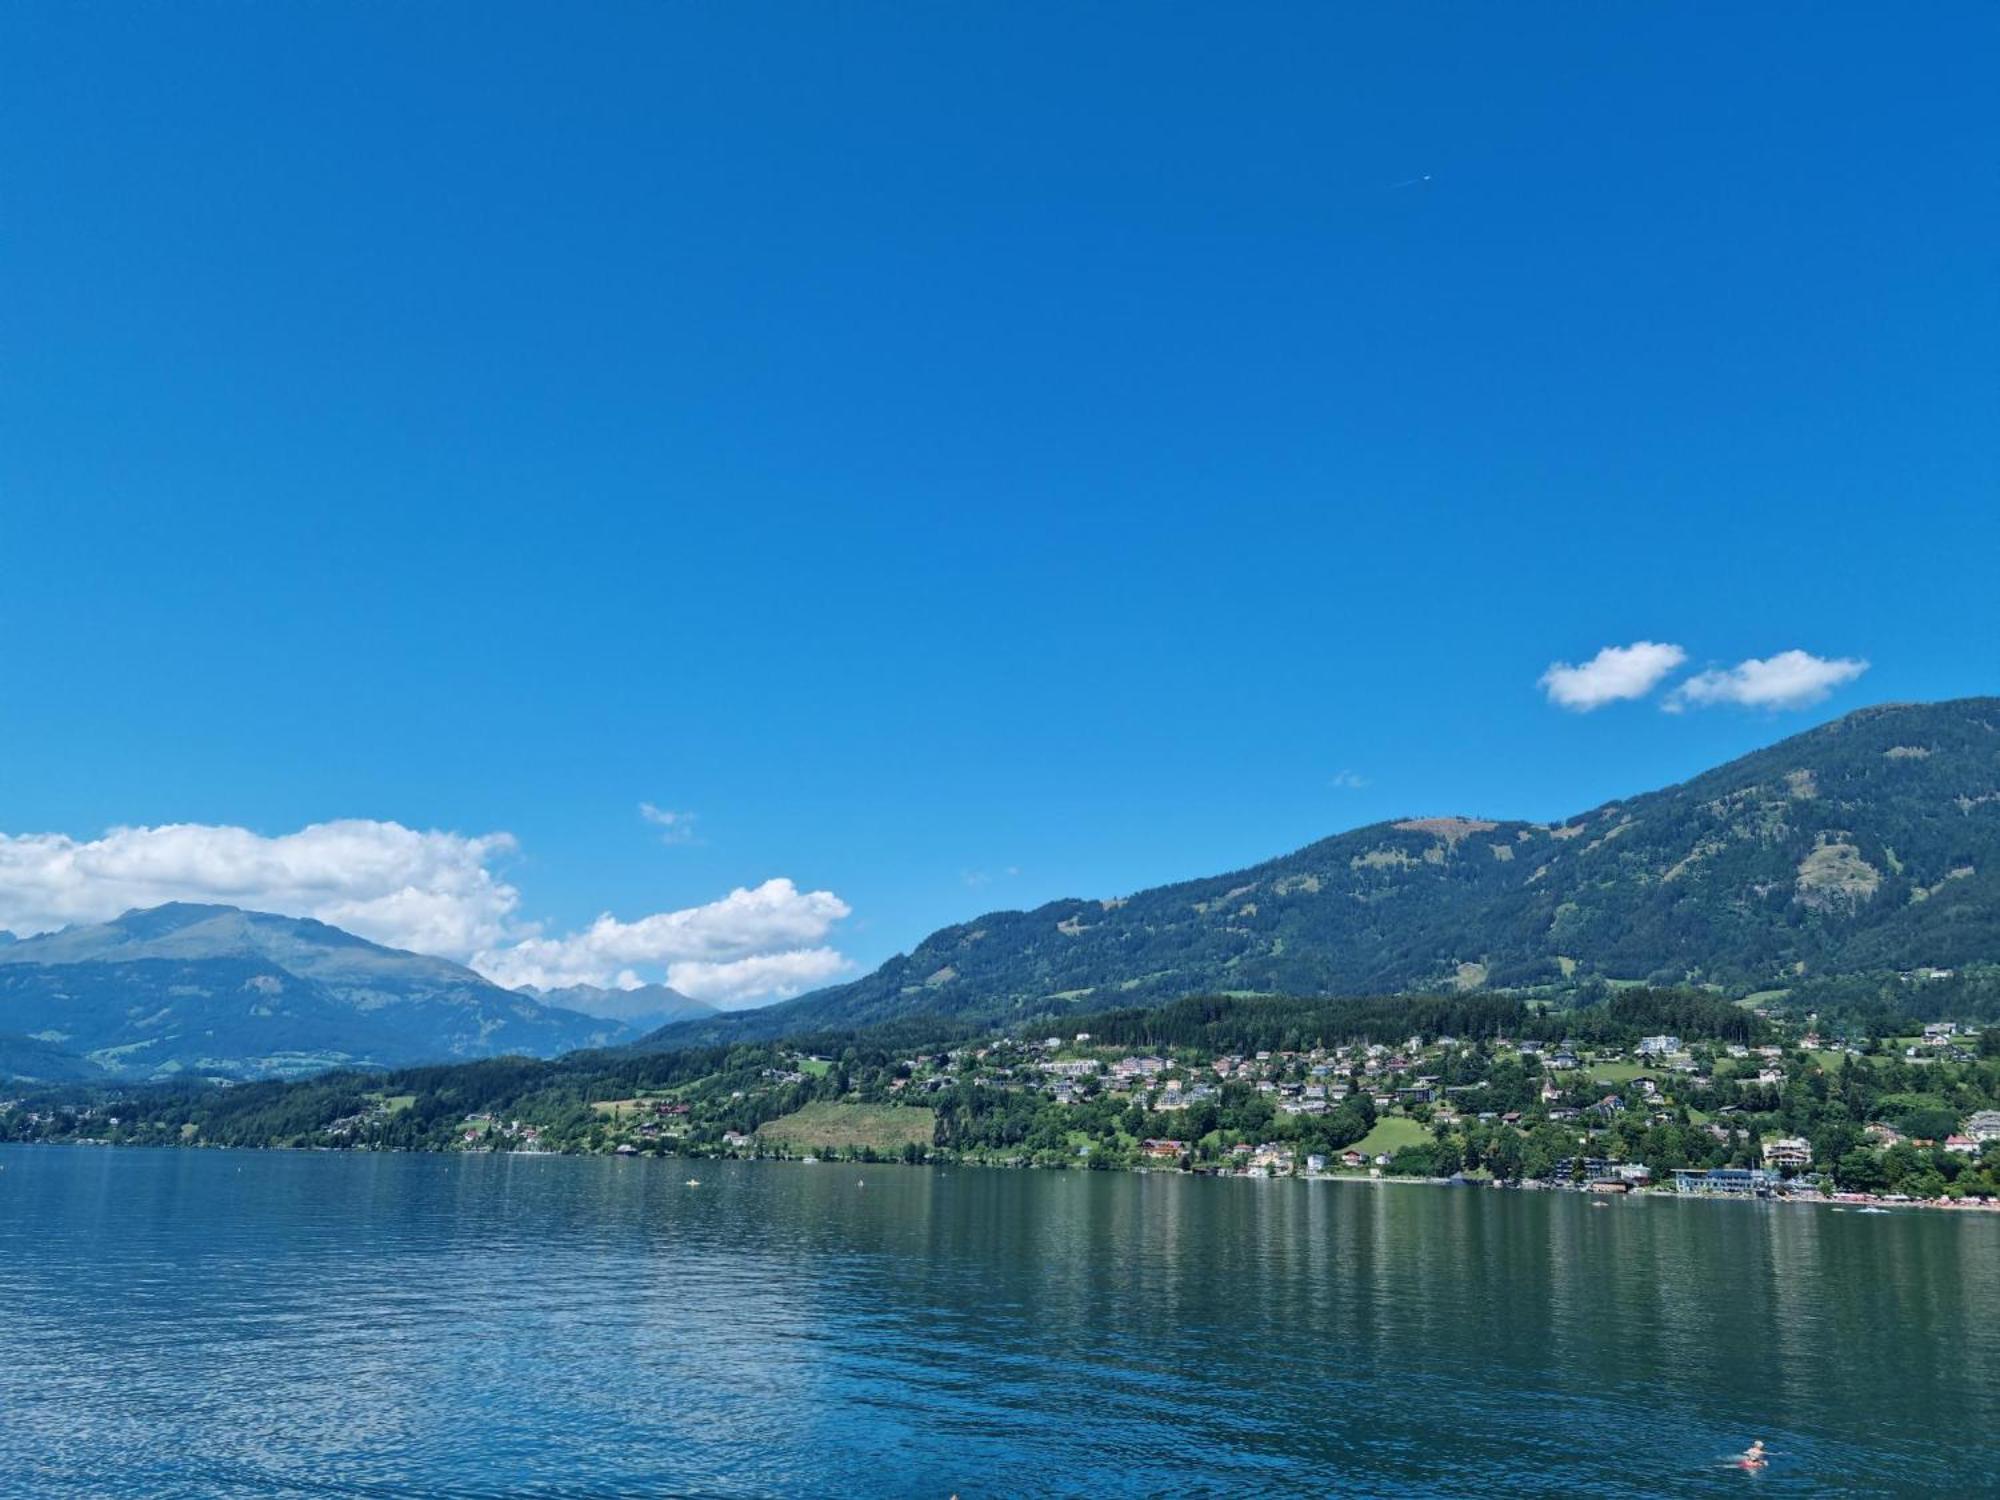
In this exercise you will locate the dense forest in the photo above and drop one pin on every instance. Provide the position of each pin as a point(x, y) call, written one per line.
point(1240, 1024)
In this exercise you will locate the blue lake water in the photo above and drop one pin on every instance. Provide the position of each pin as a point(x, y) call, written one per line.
point(215, 1323)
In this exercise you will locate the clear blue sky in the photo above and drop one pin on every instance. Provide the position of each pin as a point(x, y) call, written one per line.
point(935, 441)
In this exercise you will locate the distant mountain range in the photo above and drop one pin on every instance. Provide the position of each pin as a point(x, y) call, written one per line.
point(1871, 843)
point(192, 989)
point(642, 1009)
point(1868, 846)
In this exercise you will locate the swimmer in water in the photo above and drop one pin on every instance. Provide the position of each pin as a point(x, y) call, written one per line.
point(1753, 1456)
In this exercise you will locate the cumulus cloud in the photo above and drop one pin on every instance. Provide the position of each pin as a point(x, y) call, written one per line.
point(1791, 679)
point(675, 827)
point(430, 892)
point(774, 920)
point(434, 892)
point(1613, 675)
point(761, 976)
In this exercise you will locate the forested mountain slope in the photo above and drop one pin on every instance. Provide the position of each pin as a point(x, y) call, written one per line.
point(1870, 843)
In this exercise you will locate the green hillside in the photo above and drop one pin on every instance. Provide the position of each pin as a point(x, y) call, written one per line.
point(1868, 844)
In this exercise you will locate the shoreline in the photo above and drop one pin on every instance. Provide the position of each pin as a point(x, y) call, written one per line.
point(1849, 1202)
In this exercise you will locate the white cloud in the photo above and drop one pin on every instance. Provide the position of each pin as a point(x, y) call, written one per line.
point(434, 892)
point(776, 976)
point(1791, 679)
point(774, 919)
point(1613, 675)
point(675, 827)
point(430, 892)
point(1348, 781)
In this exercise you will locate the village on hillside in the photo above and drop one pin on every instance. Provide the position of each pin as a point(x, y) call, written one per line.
point(1760, 1107)
point(1798, 1117)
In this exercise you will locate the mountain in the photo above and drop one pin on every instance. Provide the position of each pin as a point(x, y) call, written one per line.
point(211, 989)
point(1869, 844)
point(643, 1009)
point(32, 1060)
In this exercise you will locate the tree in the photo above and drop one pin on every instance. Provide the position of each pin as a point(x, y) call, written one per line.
point(1861, 1171)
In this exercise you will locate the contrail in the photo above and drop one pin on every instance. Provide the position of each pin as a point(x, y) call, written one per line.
point(1414, 181)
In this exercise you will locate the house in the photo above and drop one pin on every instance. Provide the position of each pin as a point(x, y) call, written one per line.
point(735, 1138)
point(1315, 1163)
point(1793, 1151)
point(1659, 1046)
point(1271, 1157)
point(1771, 1077)
point(1726, 1181)
point(1081, 1067)
point(1984, 1126)
point(1961, 1145)
point(1608, 1106)
point(1593, 1169)
point(1353, 1159)
point(1163, 1150)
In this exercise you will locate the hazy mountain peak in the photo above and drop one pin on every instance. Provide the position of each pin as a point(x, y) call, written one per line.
point(219, 989)
point(644, 1008)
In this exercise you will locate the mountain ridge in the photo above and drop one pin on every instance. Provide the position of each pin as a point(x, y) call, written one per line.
point(213, 989)
point(1871, 842)
point(644, 1007)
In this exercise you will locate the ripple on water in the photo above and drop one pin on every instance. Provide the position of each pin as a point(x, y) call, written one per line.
point(208, 1323)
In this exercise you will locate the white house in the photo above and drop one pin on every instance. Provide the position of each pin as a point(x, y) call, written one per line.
point(1788, 1151)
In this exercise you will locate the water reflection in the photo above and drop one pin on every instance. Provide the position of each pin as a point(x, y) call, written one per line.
point(233, 1323)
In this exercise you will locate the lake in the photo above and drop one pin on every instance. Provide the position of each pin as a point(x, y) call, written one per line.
point(230, 1323)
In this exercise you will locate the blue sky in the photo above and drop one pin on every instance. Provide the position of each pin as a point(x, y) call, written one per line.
point(961, 455)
